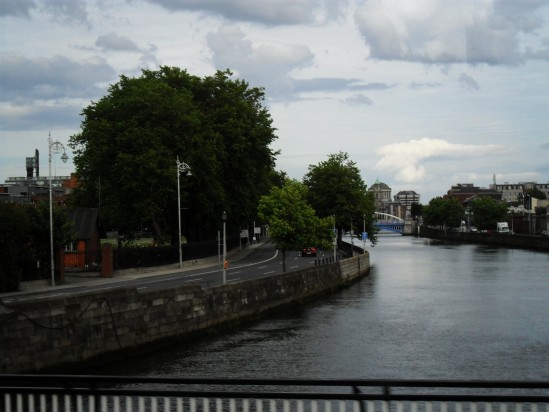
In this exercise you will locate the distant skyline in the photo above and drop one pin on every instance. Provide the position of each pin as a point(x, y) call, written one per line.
point(421, 94)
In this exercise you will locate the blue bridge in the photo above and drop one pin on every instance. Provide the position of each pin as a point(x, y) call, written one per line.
point(388, 223)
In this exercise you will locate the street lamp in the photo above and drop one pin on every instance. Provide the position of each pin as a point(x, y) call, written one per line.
point(56, 148)
point(182, 167)
point(224, 219)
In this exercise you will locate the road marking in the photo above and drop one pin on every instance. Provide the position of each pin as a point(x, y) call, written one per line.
point(272, 271)
point(294, 267)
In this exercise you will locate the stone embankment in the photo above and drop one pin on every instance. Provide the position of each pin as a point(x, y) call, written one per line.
point(539, 243)
point(65, 334)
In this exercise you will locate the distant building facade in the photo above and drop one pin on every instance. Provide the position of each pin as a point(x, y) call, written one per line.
point(467, 192)
point(403, 203)
point(33, 188)
point(382, 196)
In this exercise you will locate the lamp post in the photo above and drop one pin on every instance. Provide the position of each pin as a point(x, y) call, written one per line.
point(224, 219)
point(56, 148)
point(182, 167)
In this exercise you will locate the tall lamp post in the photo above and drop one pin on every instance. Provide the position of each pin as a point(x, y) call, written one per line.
point(224, 219)
point(182, 167)
point(55, 148)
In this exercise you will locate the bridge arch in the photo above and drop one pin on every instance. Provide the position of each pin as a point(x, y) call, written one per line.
point(387, 215)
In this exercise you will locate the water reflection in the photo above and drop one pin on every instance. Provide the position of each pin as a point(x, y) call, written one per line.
point(427, 310)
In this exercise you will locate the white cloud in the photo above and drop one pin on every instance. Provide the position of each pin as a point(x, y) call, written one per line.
point(406, 160)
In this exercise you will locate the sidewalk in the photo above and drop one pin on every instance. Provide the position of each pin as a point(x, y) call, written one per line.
point(73, 279)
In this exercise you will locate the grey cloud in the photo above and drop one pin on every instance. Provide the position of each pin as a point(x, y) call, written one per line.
point(467, 82)
point(274, 12)
point(68, 11)
point(16, 8)
point(335, 84)
point(458, 32)
point(359, 100)
point(61, 11)
point(418, 86)
point(113, 41)
point(41, 117)
point(22, 78)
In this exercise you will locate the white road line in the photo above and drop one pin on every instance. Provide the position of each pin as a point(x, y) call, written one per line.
point(267, 273)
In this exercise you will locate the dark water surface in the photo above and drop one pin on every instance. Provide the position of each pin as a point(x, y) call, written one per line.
point(427, 310)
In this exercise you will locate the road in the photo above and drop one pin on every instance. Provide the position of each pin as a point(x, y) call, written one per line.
point(259, 261)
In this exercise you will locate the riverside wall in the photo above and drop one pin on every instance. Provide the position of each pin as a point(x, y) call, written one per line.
point(70, 333)
point(539, 243)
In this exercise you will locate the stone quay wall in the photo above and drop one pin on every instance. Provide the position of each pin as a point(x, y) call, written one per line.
point(538, 243)
point(70, 333)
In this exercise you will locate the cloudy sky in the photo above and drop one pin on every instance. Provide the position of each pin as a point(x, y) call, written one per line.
point(422, 94)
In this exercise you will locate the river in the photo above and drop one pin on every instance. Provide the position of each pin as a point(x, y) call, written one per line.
point(427, 310)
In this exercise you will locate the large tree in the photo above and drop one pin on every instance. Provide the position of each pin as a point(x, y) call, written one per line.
point(487, 212)
point(292, 222)
point(335, 188)
point(444, 212)
point(25, 241)
point(125, 155)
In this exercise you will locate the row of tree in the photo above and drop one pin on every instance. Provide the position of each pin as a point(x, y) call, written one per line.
point(25, 241)
point(484, 212)
point(126, 164)
point(331, 196)
point(125, 158)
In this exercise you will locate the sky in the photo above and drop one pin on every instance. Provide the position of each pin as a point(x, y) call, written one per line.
point(421, 94)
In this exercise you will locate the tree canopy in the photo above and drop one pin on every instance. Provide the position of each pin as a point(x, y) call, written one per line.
point(446, 212)
point(25, 241)
point(125, 154)
point(487, 212)
point(292, 222)
point(335, 188)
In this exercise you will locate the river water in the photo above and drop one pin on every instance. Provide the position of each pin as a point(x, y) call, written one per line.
point(428, 310)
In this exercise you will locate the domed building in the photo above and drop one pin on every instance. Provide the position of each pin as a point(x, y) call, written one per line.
point(382, 196)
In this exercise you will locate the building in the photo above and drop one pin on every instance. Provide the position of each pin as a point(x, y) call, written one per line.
point(515, 192)
point(33, 188)
point(382, 196)
point(404, 199)
point(467, 192)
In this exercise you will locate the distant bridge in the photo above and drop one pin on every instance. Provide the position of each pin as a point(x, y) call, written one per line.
point(388, 223)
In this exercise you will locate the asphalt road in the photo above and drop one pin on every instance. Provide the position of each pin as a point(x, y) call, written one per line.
point(258, 261)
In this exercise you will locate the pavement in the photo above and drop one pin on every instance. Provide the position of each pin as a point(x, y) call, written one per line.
point(94, 278)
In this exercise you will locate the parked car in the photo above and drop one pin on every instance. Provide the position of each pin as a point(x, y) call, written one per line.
point(308, 251)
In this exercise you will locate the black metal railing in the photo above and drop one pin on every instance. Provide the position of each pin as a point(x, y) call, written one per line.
point(116, 393)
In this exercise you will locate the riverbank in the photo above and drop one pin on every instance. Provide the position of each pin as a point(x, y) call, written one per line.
point(538, 243)
point(85, 329)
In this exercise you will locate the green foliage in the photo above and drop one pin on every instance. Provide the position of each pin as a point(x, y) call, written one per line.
point(538, 194)
point(125, 155)
point(336, 189)
point(447, 212)
point(487, 212)
point(416, 210)
point(25, 240)
point(292, 222)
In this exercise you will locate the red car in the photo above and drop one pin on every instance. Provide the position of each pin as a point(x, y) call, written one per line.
point(308, 251)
